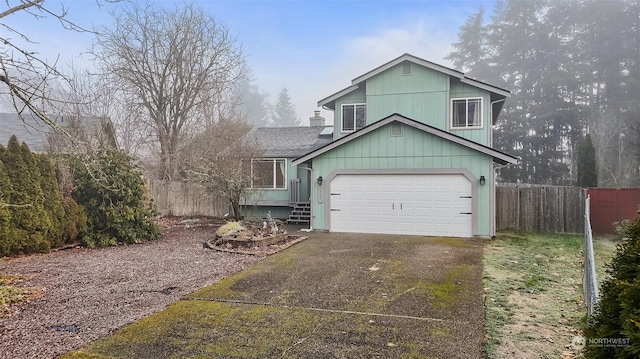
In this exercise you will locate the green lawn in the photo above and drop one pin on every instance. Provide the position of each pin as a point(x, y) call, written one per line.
point(533, 293)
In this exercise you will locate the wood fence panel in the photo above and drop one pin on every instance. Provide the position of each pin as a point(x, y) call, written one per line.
point(543, 209)
point(609, 205)
point(185, 199)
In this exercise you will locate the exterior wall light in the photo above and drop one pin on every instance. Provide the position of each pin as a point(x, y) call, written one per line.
point(482, 180)
point(320, 181)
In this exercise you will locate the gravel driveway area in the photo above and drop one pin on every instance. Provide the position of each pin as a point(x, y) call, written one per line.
point(90, 293)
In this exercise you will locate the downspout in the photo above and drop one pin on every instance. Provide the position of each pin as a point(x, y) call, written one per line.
point(491, 116)
point(492, 195)
point(310, 197)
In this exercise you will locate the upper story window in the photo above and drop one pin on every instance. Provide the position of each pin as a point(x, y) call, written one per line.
point(466, 112)
point(269, 173)
point(354, 117)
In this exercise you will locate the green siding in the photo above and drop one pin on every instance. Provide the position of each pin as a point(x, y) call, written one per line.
point(424, 95)
point(460, 90)
point(261, 212)
point(414, 150)
point(421, 96)
point(357, 96)
point(275, 194)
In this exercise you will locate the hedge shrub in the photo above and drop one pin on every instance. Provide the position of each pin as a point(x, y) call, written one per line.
point(109, 186)
point(34, 215)
point(618, 314)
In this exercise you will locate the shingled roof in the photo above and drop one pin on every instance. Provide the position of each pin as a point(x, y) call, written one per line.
point(27, 129)
point(35, 133)
point(290, 142)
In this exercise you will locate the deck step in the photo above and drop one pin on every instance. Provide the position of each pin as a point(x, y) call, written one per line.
point(300, 213)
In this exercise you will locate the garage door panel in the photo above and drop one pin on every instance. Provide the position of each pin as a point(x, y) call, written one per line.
point(404, 204)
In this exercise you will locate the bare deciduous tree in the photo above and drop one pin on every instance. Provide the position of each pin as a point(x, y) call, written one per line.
point(85, 118)
point(170, 62)
point(220, 160)
point(29, 81)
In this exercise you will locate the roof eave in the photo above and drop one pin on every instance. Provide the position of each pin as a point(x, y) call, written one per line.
point(402, 58)
point(328, 100)
point(497, 156)
point(486, 87)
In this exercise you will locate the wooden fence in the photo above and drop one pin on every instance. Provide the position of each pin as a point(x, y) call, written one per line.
point(185, 199)
point(533, 208)
point(609, 205)
point(524, 207)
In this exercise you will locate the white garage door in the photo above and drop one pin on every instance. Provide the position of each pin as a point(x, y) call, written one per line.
point(433, 205)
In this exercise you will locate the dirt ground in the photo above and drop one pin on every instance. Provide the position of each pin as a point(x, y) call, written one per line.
point(86, 294)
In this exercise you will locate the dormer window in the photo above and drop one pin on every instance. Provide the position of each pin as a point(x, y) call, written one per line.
point(466, 112)
point(354, 117)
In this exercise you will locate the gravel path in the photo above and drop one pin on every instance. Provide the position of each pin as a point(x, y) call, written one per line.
point(90, 293)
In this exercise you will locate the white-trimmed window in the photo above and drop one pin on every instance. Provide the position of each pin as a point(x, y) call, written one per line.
point(354, 117)
point(466, 112)
point(269, 173)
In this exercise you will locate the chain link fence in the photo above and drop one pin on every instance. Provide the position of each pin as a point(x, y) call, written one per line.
point(589, 282)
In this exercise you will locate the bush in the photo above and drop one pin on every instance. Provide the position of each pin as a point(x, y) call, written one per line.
point(618, 314)
point(109, 186)
point(29, 217)
point(75, 220)
point(52, 200)
point(34, 215)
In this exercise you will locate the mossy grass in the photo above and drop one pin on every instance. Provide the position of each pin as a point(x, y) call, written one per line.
point(534, 282)
point(206, 329)
point(10, 294)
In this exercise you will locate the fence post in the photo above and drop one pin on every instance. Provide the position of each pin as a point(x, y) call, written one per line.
point(589, 282)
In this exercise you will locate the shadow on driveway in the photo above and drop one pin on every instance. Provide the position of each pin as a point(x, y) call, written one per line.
point(331, 296)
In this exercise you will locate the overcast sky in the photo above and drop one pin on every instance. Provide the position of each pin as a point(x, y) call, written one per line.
point(314, 48)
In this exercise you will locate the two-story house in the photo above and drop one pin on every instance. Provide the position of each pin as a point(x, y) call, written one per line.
point(410, 153)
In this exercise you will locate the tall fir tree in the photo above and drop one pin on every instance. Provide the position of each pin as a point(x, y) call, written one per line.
point(470, 53)
point(587, 167)
point(253, 106)
point(284, 112)
point(570, 65)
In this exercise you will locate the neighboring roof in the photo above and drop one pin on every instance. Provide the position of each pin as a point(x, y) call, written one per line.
point(498, 156)
point(416, 60)
point(289, 142)
point(27, 129)
point(34, 132)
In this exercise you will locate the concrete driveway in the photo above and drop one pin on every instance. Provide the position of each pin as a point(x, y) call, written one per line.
point(331, 296)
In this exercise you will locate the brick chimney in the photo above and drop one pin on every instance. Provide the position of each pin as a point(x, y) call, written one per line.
point(316, 120)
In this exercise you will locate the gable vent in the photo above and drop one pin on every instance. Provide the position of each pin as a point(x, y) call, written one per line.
point(406, 68)
point(396, 129)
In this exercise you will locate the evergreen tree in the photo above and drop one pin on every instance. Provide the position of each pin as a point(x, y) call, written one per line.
point(28, 212)
point(284, 114)
point(110, 188)
point(538, 50)
point(587, 168)
point(52, 200)
point(7, 228)
point(606, 60)
point(253, 107)
point(470, 52)
point(618, 312)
